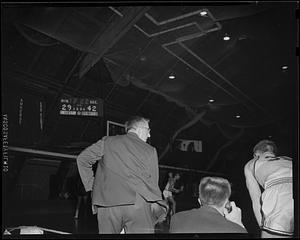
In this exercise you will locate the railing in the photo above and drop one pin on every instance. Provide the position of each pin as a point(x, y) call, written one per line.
point(68, 156)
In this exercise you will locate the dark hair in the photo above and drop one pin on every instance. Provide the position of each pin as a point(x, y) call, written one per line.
point(133, 121)
point(214, 191)
point(265, 146)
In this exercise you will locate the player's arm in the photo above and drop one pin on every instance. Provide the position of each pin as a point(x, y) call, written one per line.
point(254, 191)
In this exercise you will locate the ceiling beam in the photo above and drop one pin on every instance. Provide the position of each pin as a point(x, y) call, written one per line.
point(19, 79)
point(112, 35)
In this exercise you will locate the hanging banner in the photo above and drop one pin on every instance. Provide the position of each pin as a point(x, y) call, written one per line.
point(20, 111)
point(41, 116)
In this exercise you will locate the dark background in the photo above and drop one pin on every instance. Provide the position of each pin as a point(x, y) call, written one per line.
point(123, 54)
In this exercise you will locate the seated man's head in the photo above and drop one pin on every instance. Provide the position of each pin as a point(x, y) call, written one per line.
point(214, 192)
point(264, 147)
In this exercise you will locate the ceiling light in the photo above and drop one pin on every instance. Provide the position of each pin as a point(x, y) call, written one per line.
point(226, 37)
point(284, 67)
point(211, 100)
point(237, 116)
point(172, 77)
point(203, 13)
point(143, 58)
point(242, 37)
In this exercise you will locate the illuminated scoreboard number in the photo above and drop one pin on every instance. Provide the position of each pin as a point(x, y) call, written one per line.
point(81, 107)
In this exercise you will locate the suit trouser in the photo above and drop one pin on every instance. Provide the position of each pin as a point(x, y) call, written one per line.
point(135, 218)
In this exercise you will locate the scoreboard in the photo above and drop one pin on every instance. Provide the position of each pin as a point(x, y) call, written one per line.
point(81, 107)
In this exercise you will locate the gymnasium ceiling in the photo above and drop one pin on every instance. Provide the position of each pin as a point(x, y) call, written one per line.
point(125, 55)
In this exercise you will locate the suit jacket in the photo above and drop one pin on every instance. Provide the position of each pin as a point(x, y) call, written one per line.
point(203, 220)
point(126, 166)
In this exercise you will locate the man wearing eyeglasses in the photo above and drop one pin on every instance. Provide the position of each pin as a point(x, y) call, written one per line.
point(125, 191)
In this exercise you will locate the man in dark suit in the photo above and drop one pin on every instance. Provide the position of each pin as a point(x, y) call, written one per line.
point(216, 214)
point(125, 191)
